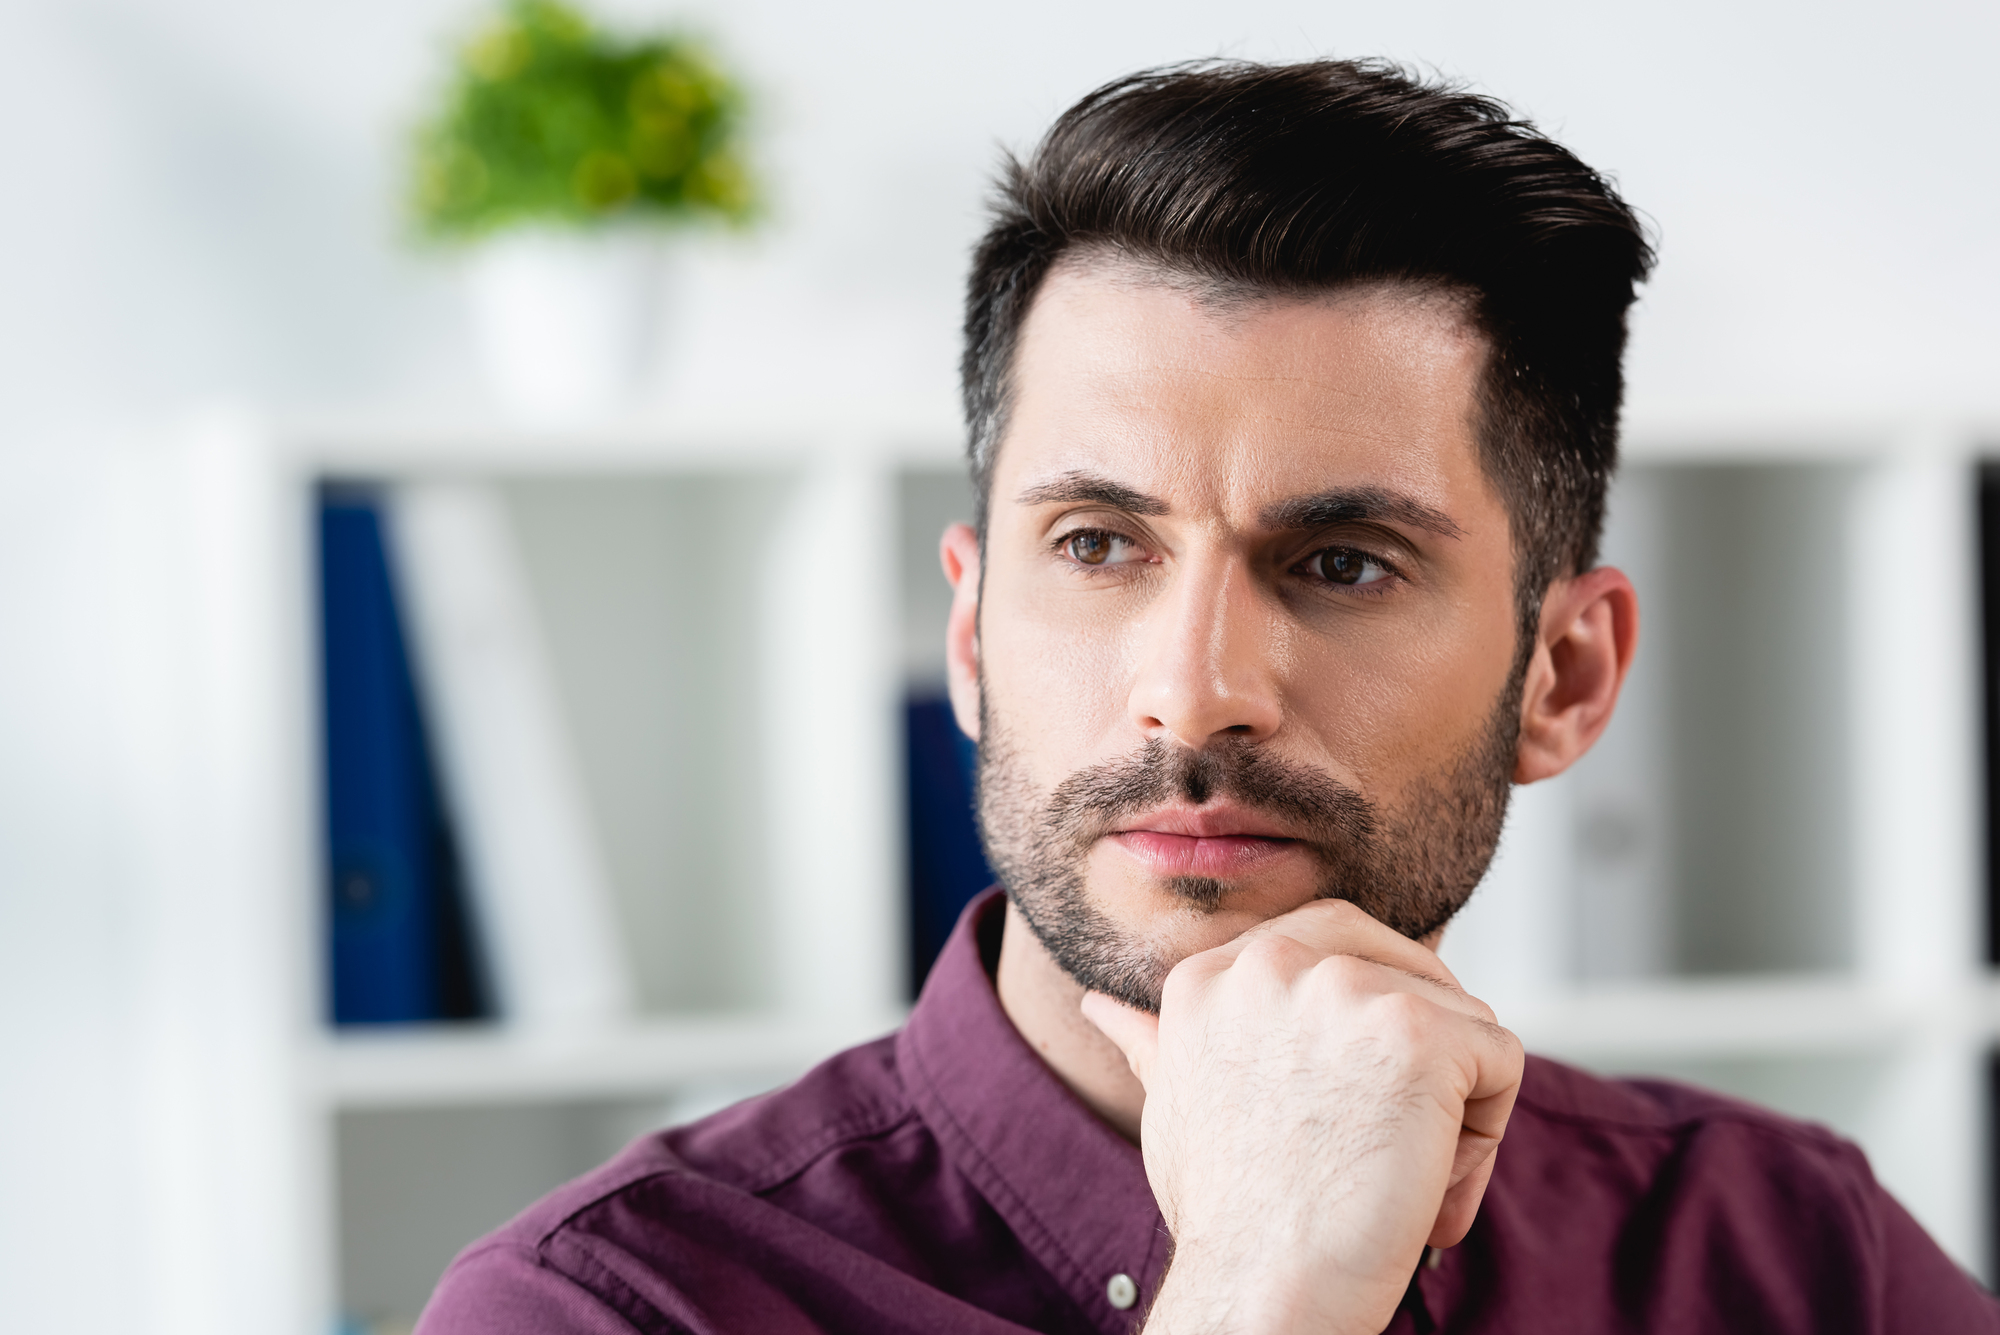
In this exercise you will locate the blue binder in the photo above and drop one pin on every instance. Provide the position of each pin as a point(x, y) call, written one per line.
point(946, 864)
point(399, 946)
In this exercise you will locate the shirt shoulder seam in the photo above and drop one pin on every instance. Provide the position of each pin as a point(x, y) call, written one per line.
point(847, 1131)
point(603, 1284)
point(607, 1286)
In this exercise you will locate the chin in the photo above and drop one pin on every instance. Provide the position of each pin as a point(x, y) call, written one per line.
point(1209, 910)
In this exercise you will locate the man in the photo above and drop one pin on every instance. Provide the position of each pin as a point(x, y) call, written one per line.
point(1293, 397)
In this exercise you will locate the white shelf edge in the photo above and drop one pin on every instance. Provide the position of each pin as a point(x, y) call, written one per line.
point(1721, 1019)
point(430, 1067)
point(1747, 1017)
point(418, 441)
point(1801, 434)
point(776, 435)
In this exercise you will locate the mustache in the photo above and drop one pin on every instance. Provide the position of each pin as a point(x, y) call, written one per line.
point(1327, 815)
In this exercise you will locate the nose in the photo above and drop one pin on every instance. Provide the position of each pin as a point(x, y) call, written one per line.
point(1206, 658)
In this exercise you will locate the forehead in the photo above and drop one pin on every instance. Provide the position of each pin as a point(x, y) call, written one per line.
point(1223, 400)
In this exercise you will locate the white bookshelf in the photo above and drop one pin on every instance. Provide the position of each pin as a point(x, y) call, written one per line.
point(1856, 995)
point(1791, 907)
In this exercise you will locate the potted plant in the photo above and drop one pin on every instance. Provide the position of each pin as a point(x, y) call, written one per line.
point(559, 154)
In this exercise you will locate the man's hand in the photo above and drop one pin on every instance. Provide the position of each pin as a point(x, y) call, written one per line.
point(1322, 1100)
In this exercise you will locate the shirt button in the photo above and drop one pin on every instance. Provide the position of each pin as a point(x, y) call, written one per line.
point(1121, 1291)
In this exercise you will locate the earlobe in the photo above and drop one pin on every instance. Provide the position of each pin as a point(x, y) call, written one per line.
point(959, 554)
point(1588, 634)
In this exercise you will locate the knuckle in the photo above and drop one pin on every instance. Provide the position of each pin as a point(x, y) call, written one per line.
point(1481, 1012)
point(1345, 976)
point(1405, 1014)
point(1190, 973)
point(1195, 966)
point(1405, 1027)
point(1271, 952)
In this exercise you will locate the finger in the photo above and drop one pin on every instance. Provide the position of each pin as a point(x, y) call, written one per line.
point(1474, 1148)
point(1136, 1033)
point(1343, 982)
point(1496, 1083)
point(1472, 1167)
point(1461, 1205)
point(1489, 1102)
point(1337, 927)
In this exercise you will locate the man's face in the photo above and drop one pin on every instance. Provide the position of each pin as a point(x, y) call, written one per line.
point(1246, 622)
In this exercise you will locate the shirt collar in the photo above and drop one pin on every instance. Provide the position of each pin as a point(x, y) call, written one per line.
point(1073, 1190)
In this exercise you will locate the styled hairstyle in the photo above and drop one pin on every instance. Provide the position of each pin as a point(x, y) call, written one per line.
point(1293, 180)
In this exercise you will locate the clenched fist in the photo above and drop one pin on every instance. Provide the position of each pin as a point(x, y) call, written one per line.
point(1322, 1100)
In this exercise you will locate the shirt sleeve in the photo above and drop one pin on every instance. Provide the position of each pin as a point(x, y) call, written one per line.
point(1922, 1290)
point(504, 1290)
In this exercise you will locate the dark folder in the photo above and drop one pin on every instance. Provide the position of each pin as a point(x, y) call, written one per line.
point(946, 864)
point(399, 946)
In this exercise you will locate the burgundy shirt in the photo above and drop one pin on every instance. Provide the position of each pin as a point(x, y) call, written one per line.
point(942, 1179)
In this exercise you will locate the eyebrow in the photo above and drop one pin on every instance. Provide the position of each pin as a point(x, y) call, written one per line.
point(1346, 505)
point(1090, 489)
point(1343, 505)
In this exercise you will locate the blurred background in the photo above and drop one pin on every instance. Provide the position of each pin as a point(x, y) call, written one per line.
point(267, 487)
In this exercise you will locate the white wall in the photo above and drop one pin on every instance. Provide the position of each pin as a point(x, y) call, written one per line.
point(202, 191)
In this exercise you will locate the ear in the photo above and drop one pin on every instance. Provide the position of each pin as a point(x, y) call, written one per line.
point(1589, 631)
point(958, 550)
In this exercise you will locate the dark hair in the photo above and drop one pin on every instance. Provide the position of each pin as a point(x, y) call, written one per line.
point(1297, 179)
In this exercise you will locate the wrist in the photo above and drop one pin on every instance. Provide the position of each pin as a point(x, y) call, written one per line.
point(1207, 1295)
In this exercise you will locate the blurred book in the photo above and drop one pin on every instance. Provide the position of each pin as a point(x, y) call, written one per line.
point(399, 946)
point(947, 867)
point(508, 769)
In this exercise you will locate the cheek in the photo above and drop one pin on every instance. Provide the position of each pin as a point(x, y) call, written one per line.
point(1405, 702)
point(1058, 676)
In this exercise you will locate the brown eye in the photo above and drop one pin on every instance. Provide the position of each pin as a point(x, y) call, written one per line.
point(1093, 549)
point(1344, 565)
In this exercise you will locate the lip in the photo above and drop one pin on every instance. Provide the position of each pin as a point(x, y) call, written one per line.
point(1221, 821)
point(1217, 842)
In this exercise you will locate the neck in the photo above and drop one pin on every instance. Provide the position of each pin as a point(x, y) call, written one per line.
point(1044, 1004)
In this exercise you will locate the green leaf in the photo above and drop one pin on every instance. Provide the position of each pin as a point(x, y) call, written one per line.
point(547, 119)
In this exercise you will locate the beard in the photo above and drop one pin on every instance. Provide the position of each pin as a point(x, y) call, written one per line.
point(1411, 867)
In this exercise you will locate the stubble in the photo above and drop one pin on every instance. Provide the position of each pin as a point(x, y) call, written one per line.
point(1411, 866)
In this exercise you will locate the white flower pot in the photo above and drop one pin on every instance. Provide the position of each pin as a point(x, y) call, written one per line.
point(565, 320)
